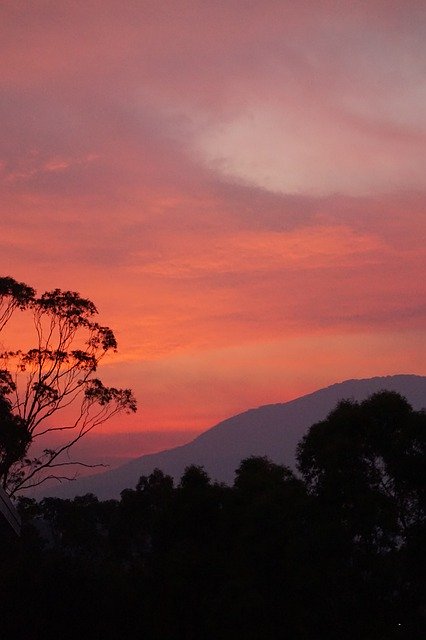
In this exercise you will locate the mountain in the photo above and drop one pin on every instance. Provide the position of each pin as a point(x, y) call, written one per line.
point(272, 430)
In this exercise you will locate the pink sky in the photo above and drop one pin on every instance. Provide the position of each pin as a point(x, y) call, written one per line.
point(239, 186)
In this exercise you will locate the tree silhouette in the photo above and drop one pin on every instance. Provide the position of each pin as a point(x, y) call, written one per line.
point(56, 373)
point(364, 467)
point(366, 462)
point(270, 557)
point(14, 437)
point(13, 295)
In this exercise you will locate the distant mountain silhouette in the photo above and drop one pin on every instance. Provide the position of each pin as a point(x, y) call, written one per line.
point(272, 430)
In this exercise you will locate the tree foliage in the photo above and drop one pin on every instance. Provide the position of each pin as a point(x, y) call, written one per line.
point(368, 460)
point(318, 557)
point(13, 295)
point(56, 373)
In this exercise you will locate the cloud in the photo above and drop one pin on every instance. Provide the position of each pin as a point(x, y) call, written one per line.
point(219, 179)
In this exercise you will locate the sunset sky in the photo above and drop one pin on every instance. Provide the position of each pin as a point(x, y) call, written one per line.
point(239, 186)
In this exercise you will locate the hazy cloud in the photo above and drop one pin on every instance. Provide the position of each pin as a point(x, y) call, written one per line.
point(220, 175)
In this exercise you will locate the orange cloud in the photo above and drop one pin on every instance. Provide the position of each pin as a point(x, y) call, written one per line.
point(242, 194)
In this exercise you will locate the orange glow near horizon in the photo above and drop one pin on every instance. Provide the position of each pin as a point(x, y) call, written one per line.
point(241, 193)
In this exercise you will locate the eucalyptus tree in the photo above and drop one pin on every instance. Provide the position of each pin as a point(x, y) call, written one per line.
point(52, 386)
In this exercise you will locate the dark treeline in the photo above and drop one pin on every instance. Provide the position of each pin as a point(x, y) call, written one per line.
point(335, 551)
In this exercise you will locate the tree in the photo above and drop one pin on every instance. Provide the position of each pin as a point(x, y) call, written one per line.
point(258, 474)
point(13, 295)
point(14, 437)
point(366, 461)
point(41, 386)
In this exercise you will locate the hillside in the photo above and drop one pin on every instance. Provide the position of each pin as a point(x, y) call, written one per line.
point(272, 430)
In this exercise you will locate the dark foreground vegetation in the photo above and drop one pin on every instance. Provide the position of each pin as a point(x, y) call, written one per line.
point(336, 552)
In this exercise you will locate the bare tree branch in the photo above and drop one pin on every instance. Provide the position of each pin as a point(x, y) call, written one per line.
point(57, 373)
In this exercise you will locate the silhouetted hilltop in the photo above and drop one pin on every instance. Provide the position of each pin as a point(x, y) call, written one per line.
point(273, 430)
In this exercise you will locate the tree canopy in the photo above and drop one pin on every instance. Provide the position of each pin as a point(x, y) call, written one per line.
point(335, 553)
point(367, 462)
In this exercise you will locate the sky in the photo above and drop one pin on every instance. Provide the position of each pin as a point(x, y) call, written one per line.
point(238, 185)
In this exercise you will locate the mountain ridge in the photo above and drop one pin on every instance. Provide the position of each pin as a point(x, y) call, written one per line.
point(273, 430)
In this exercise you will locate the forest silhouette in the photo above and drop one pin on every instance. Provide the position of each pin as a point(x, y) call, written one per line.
point(333, 551)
